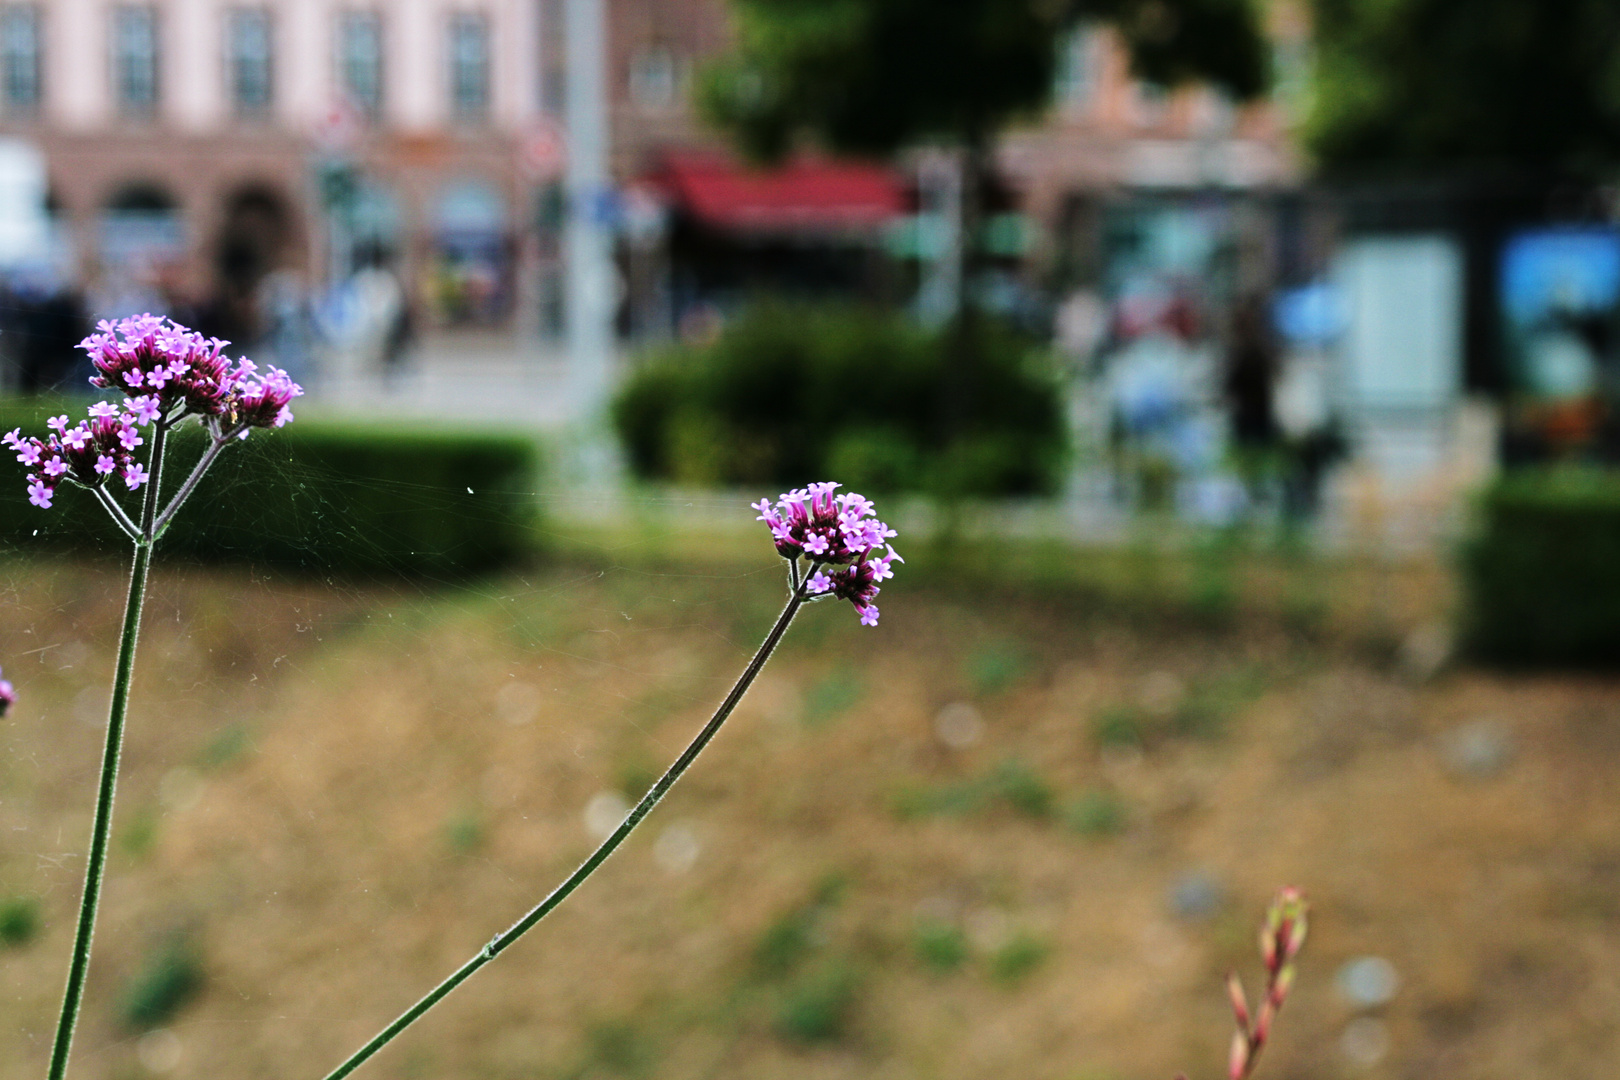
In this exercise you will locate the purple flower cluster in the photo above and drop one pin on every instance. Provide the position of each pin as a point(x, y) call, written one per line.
point(840, 536)
point(8, 697)
point(87, 453)
point(182, 373)
point(168, 373)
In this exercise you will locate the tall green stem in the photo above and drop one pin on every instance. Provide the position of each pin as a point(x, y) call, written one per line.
point(501, 941)
point(96, 866)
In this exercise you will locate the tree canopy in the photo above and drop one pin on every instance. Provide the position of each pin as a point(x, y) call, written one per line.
point(871, 76)
point(1434, 84)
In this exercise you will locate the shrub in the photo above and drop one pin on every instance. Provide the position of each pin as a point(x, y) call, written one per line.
point(795, 392)
point(320, 496)
point(1541, 576)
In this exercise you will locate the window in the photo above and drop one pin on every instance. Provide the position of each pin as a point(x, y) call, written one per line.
point(135, 59)
point(19, 58)
point(360, 61)
point(1079, 63)
point(248, 60)
point(469, 66)
point(654, 78)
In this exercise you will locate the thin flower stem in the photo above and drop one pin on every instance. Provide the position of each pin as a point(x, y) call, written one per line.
point(122, 519)
point(188, 486)
point(499, 943)
point(102, 826)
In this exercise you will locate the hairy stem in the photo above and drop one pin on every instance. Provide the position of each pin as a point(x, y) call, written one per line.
point(501, 941)
point(188, 486)
point(96, 865)
point(117, 512)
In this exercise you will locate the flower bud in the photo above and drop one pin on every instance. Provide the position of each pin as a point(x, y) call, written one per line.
point(1240, 1004)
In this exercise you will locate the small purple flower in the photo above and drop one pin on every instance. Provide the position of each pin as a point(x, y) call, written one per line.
point(57, 423)
point(846, 545)
point(39, 493)
point(103, 410)
point(55, 467)
point(8, 697)
point(145, 408)
point(105, 464)
point(135, 475)
point(129, 438)
point(29, 454)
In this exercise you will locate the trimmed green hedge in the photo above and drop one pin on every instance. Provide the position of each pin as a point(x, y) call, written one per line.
point(795, 392)
point(320, 496)
point(1541, 577)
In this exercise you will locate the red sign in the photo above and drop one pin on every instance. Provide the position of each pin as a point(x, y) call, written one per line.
point(543, 151)
point(339, 127)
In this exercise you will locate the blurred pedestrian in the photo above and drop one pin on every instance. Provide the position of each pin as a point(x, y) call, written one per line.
point(1249, 383)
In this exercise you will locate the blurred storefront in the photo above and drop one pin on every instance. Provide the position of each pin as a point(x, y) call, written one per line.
point(809, 227)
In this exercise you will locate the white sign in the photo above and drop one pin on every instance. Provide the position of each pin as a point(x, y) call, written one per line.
point(24, 226)
point(1403, 342)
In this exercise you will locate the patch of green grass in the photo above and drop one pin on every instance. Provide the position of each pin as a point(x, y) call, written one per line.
point(1096, 813)
point(636, 777)
point(171, 976)
point(138, 836)
point(227, 745)
point(19, 921)
point(786, 942)
point(1011, 784)
point(818, 1005)
point(797, 932)
point(1210, 703)
point(939, 946)
point(993, 669)
point(1018, 958)
point(829, 696)
point(1120, 725)
point(464, 831)
point(621, 1048)
point(1016, 785)
point(1305, 613)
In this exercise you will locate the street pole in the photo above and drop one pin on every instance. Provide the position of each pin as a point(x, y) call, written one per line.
point(589, 238)
point(939, 297)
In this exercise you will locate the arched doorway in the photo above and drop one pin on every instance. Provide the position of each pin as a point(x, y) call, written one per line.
point(141, 245)
point(256, 237)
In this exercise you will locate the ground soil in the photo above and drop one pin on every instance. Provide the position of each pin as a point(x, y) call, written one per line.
point(333, 794)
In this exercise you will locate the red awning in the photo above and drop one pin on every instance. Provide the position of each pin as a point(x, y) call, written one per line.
point(804, 195)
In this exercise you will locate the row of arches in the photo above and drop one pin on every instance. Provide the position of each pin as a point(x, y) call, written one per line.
point(463, 230)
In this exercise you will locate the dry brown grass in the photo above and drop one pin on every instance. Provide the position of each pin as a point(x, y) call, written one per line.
point(329, 796)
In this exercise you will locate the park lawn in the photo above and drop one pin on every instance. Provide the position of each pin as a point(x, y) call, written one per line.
point(1022, 828)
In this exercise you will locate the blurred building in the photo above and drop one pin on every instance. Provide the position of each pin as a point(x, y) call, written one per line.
point(195, 146)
